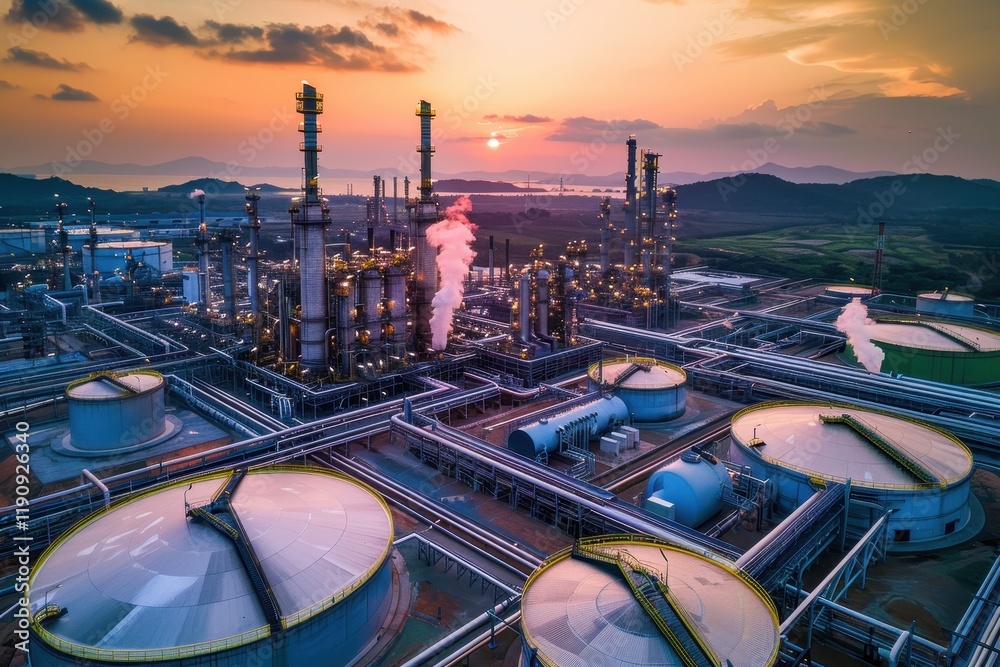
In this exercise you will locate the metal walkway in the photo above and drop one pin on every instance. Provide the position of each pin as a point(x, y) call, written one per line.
point(889, 448)
point(653, 594)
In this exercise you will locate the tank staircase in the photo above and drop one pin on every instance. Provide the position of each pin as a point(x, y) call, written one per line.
point(887, 447)
point(651, 591)
point(954, 335)
point(219, 514)
point(633, 368)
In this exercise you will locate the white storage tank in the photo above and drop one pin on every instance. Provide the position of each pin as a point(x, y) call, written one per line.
point(580, 611)
point(919, 472)
point(690, 489)
point(945, 304)
point(79, 237)
point(542, 437)
point(150, 582)
point(654, 391)
point(112, 257)
point(22, 242)
point(109, 412)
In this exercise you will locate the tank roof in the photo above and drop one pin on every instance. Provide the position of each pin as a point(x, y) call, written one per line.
point(795, 437)
point(660, 375)
point(142, 577)
point(124, 245)
point(943, 336)
point(114, 385)
point(855, 290)
point(944, 296)
point(579, 614)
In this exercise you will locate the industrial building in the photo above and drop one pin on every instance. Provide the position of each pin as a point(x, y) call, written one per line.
point(286, 567)
point(612, 601)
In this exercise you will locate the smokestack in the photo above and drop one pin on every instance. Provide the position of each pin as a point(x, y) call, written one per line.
point(631, 204)
point(95, 276)
point(371, 241)
point(253, 257)
point(425, 215)
point(377, 206)
point(425, 149)
point(202, 241)
point(395, 199)
point(64, 247)
point(310, 218)
point(228, 275)
point(491, 260)
point(605, 222)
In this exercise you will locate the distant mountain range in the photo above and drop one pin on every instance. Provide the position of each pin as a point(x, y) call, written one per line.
point(756, 194)
point(191, 166)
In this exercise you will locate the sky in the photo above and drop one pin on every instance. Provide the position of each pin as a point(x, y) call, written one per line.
point(558, 85)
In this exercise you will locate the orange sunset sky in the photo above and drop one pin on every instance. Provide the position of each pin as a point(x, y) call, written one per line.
point(712, 85)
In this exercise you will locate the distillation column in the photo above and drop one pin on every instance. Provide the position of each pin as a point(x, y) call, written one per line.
point(631, 206)
point(426, 214)
point(252, 259)
point(311, 217)
point(202, 241)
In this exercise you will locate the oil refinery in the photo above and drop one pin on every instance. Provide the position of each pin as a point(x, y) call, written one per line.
point(331, 437)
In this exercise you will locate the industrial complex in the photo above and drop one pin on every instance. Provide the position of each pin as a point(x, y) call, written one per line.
point(339, 437)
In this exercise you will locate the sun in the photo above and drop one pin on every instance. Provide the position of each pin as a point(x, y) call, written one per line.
point(493, 143)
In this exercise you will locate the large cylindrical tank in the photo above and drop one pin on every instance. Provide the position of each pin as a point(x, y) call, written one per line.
point(142, 583)
point(946, 304)
point(579, 612)
point(543, 436)
point(921, 473)
point(191, 284)
point(847, 292)
point(22, 242)
point(79, 237)
point(688, 490)
point(112, 411)
point(654, 391)
point(112, 257)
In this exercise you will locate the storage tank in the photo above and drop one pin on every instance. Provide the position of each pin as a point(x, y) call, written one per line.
point(653, 391)
point(579, 612)
point(688, 490)
point(847, 292)
point(109, 412)
point(148, 582)
point(112, 257)
point(542, 436)
point(22, 242)
point(919, 472)
point(191, 285)
point(79, 237)
point(937, 351)
point(946, 304)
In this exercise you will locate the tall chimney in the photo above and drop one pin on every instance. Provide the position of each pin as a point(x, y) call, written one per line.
point(426, 214)
point(203, 239)
point(631, 204)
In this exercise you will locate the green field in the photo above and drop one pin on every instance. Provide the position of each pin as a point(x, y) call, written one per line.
point(963, 256)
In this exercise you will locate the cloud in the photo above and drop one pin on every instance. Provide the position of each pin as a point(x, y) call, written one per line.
point(165, 31)
point(7, 85)
point(19, 56)
point(232, 33)
point(585, 129)
point(528, 118)
point(879, 45)
point(425, 22)
point(67, 93)
point(63, 15)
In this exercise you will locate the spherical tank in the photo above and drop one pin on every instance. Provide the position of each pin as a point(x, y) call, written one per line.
point(921, 473)
point(945, 303)
point(543, 436)
point(112, 257)
point(576, 611)
point(688, 490)
point(151, 581)
point(112, 411)
point(653, 391)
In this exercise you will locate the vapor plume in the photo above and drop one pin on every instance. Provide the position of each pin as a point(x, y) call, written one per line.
point(197, 192)
point(453, 237)
point(855, 324)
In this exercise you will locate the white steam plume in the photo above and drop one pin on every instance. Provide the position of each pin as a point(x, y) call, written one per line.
point(453, 237)
point(197, 192)
point(855, 323)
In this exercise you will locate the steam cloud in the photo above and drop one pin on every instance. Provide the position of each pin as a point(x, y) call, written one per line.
point(855, 323)
point(197, 192)
point(453, 237)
